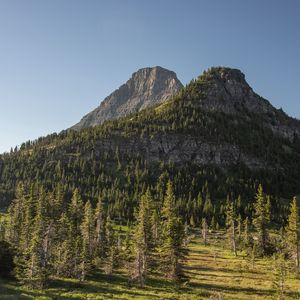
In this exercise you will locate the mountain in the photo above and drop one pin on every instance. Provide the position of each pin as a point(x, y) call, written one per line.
point(146, 87)
point(216, 133)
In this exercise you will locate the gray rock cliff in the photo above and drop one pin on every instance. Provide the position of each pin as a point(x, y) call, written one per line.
point(146, 87)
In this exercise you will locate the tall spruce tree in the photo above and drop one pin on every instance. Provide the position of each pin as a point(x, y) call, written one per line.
point(87, 234)
point(110, 248)
point(231, 227)
point(74, 235)
point(246, 236)
point(293, 233)
point(172, 252)
point(143, 239)
point(261, 219)
point(99, 239)
point(37, 270)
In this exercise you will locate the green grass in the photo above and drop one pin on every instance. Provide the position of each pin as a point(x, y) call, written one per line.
point(214, 273)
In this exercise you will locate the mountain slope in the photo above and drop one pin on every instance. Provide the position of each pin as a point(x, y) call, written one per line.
point(146, 87)
point(215, 130)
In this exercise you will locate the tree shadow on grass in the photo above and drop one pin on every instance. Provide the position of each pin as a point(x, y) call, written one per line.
point(225, 270)
point(104, 286)
point(221, 288)
point(220, 276)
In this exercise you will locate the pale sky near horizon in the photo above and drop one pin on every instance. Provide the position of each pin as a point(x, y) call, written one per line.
point(60, 58)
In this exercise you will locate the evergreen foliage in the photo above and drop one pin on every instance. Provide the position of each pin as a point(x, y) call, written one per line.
point(293, 233)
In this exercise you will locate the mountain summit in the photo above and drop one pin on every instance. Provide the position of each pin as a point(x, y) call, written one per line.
point(146, 87)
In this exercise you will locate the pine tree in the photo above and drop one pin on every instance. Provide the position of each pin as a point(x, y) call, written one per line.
point(246, 236)
point(208, 207)
point(143, 239)
point(87, 234)
point(155, 221)
point(76, 210)
point(74, 244)
point(29, 214)
point(231, 228)
point(16, 217)
point(111, 248)
point(62, 252)
point(261, 219)
point(171, 252)
point(293, 232)
point(37, 265)
point(99, 240)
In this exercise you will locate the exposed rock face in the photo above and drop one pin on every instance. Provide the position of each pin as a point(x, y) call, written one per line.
point(180, 149)
point(230, 93)
point(146, 87)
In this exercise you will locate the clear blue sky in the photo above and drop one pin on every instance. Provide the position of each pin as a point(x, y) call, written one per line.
point(60, 58)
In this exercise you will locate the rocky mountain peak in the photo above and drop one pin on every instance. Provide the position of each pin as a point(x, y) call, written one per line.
point(230, 93)
point(145, 88)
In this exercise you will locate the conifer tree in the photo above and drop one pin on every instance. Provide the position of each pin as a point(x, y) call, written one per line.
point(74, 244)
point(155, 221)
point(172, 252)
point(99, 240)
point(293, 233)
point(62, 253)
point(246, 236)
point(16, 216)
point(87, 234)
point(231, 227)
point(76, 211)
point(37, 266)
point(261, 219)
point(29, 214)
point(143, 239)
point(110, 248)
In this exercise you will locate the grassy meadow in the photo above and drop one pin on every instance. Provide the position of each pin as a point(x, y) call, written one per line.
point(213, 272)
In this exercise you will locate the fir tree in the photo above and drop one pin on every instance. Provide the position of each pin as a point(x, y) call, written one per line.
point(87, 233)
point(155, 221)
point(62, 253)
point(99, 240)
point(143, 239)
point(293, 232)
point(246, 236)
point(111, 248)
point(37, 270)
point(261, 219)
point(172, 252)
point(231, 227)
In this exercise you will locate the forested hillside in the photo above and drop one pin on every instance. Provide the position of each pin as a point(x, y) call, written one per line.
point(216, 134)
